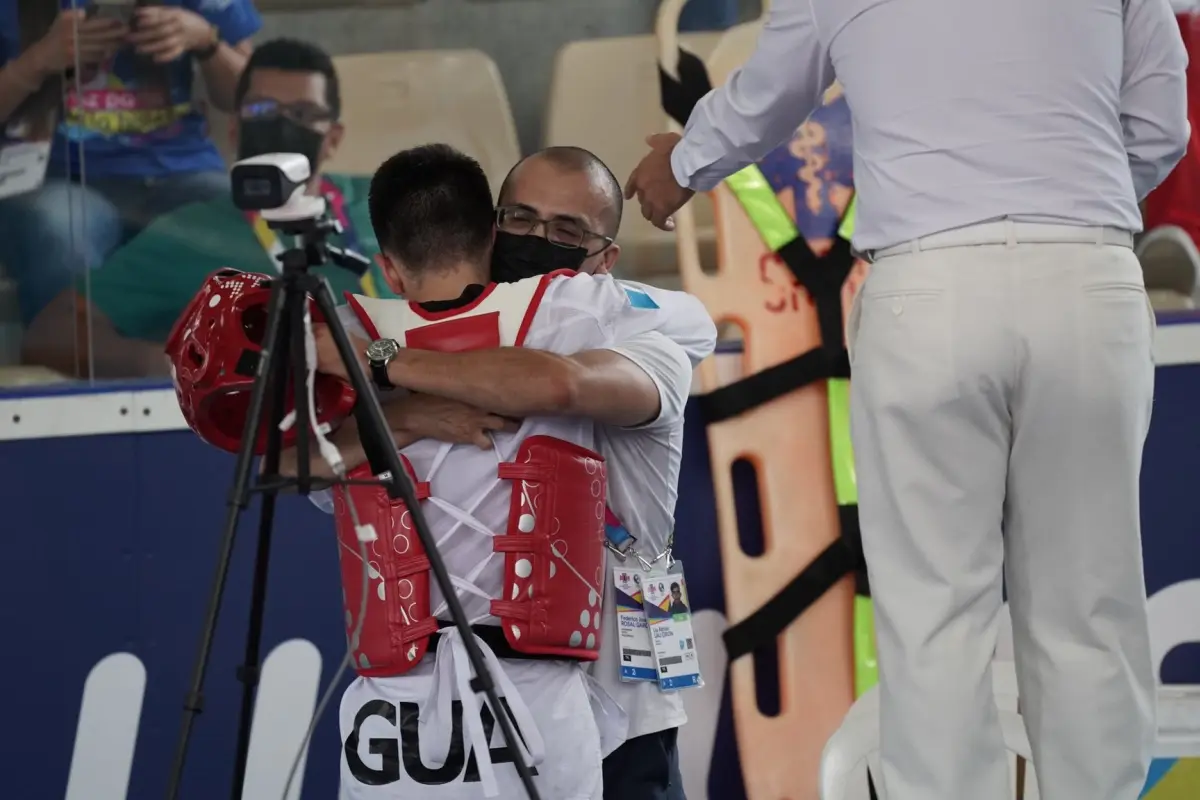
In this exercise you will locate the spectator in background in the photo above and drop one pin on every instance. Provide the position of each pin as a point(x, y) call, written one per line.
point(1177, 200)
point(131, 130)
point(289, 101)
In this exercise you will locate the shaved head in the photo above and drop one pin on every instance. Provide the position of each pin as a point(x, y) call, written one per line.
point(567, 181)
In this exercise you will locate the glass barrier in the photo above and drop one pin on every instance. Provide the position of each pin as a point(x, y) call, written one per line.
point(121, 119)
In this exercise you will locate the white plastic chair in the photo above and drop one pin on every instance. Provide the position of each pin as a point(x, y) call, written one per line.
point(1170, 263)
point(391, 101)
point(855, 746)
point(604, 97)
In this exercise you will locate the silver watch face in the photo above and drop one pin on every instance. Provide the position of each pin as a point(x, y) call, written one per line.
point(381, 351)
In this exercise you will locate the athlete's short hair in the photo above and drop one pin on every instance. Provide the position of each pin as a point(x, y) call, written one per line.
point(431, 207)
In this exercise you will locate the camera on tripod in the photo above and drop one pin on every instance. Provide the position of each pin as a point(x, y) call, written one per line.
point(275, 185)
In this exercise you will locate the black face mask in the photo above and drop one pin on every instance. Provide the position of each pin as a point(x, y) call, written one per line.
point(516, 257)
point(279, 135)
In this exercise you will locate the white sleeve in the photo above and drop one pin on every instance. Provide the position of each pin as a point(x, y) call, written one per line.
point(584, 312)
point(1153, 94)
point(761, 104)
point(685, 320)
point(665, 333)
point(590, 312)
point(669, 366)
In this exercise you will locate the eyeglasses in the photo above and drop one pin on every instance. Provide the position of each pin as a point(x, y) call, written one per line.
point(306, 114)
point(522, 221)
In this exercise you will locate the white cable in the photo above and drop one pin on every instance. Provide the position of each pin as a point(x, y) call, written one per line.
point(328, 451)
point(365, 533)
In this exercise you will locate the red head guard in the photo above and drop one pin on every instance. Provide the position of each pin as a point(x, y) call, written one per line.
point(214, 349)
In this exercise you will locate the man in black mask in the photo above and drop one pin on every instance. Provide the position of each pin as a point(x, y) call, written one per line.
point(288, 101)
point(558, 209)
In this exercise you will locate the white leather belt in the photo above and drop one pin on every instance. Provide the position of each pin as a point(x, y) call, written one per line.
point(1009, 233)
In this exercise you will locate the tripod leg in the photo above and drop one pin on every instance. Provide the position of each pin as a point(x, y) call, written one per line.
point(238, 499)
point(376, 431)
point(283, 354)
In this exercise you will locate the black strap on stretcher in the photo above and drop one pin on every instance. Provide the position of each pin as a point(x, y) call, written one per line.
point(823, 278)
point(680, 95)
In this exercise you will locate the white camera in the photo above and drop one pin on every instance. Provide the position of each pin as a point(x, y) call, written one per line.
point(273, 184)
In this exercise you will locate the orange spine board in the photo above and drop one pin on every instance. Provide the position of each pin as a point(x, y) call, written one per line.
point(787, 441)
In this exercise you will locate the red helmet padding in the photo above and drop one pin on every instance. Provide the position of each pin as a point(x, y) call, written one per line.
point(214, 349)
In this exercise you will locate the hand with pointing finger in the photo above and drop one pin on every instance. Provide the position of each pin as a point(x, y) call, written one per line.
point(654, 184)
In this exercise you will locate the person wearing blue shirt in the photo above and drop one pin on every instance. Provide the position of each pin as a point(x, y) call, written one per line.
point(129, 129)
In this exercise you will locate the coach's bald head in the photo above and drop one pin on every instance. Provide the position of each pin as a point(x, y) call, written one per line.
point(577, 195)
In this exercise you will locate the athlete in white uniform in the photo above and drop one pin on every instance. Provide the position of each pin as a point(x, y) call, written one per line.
point(405, 735)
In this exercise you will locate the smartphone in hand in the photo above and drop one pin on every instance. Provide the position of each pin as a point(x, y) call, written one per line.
point(119, 10)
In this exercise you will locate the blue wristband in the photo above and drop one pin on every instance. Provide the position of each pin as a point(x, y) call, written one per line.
point(619, 540)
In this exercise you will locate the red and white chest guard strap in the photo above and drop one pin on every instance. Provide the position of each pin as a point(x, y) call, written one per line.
point(553, 550)
point(397, 626)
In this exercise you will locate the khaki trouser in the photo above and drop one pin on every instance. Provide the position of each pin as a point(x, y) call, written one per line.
point(1000, 401)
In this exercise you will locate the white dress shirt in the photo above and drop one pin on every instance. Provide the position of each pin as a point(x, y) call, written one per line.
point(964, 111)
point(643, 482)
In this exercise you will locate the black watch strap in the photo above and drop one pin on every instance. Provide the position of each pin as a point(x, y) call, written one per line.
point(205, 53)
point(379, 376)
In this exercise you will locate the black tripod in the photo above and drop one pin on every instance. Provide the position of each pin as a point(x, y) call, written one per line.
point(283, 355)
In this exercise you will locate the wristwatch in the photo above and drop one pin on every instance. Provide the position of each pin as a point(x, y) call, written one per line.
point(379, 354)
point(210, 49)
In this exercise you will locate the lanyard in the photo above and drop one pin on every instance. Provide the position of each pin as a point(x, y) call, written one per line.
point(337, 203)
point(620, 541)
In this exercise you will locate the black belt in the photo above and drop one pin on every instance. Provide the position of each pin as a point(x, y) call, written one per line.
point(493, 637)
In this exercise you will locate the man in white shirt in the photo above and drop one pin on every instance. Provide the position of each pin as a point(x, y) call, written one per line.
point(1001, 349)
point(549, 386)
point(561, 207)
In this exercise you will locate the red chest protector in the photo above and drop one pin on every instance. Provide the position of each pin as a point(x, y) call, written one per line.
point(553, 544)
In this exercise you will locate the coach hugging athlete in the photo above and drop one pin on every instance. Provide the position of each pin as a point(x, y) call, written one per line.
point(632, 380)
point(580, 198)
